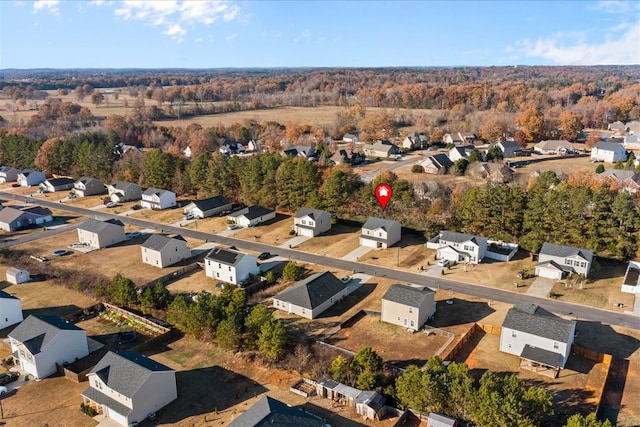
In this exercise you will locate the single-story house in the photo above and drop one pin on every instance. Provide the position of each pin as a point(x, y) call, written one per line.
point(8, 174)
point(311, 296)
point(40, 343)
point(608, 151)
point(126, 387)
point(630, 142)
point(230, 266)
point(509, 148)
point(459, 138)
point(631, 281)
point(350, 137)
point(208, 207)
point(554, 146)
point(438, 164)
point(492, 172)
point(462, 152)
point(271, 412)
point(121, 191)
point(415, 141)
point(100, 234)
point(251, 216)
point(123, 149)
point(162, 251)
point(380, 233)
point(87, 186)
point(29, 178)
point(380, 149)
point(305, 151)
point(10, 310)
point(57, 184)
point(540, 338)
point(12, 219)
point(618, 127)
point(557, 261)
point(633, 127)
point(155, 198)
point(17, 276)
point(408, 306)
point(311, 222)
point(231, 147)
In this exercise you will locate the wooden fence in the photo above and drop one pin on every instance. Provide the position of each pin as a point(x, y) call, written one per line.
point(167, 278)
point(490, 329)
point(464, 339)
point(147, 323)
point(596, 357)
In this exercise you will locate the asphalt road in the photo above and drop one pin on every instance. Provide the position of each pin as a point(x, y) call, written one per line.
point(574, 310)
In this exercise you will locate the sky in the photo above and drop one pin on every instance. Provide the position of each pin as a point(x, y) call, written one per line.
point(316, 33)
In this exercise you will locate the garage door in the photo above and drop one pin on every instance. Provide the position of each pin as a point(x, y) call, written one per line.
point(549, 273)
point(120, 419)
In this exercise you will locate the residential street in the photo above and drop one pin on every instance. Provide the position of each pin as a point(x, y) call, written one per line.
point(574, 310)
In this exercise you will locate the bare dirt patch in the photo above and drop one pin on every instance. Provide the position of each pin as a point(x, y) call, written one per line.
point(275, 232)
point(408, 254)
point(337, 242)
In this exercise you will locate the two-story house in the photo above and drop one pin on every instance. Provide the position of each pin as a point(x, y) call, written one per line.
point(311, 296)
point(127, 387)
point(29, 178)
point(408, 306)
point(121, 191)
point(10, 310)
point(438, 164)
point(459, 247)
point(41, 342)
point(207, 207)
point(311, 222)
point(228, 265)
point(162, 251)
point(558, 261)
point(8, 174)
point(380, 233)
point(87, 186)
point(608, 151)
point(155, 198)
point(100, 234)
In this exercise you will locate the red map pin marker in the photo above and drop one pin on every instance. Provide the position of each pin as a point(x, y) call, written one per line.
point(383, 194)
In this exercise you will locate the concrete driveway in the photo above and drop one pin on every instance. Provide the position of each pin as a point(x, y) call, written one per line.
point(541, 287)
point(292, 243)
point(356, 253)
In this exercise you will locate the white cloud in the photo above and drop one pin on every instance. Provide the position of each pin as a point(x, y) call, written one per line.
point(50, 6)
point(231, 37)
point(619, 47)
point(304, 34)
point(177, 16)
point(615, 6)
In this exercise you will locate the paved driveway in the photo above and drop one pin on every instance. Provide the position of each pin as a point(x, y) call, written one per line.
point(292, 243)
point(541, 287)
point(356, 253)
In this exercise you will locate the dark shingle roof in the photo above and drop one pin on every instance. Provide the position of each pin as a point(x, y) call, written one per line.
point(36, 331)
point(157, 242)
point(535, 320)
point(374, 223)
point(95, 226)
point(312, 213)
point(443, 160)
point(60, 181)
point(312, 291)
point(545, 357)
point(565, 251)
point(407, 295)
point(4, 295)
point(151, 191)
point(252, 212)
point(38, 210)
point(372, 399)
point(102, 399)
point(225, 256)
point(211, 203)
point(86, 180)
point(121, 185)
point(454, 236)
point(271, 412)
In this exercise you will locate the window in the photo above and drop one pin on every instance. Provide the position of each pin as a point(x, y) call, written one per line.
point(219, 265)
point(555, 345)
point(410, 310)
point(568, 262)
point(157, 262)
point(217, 274)
point(380, 234)
point(513, 334)
point(229, 268)
point(30, 357)
point(176, 249)
point(412, 324)
point(22, 354)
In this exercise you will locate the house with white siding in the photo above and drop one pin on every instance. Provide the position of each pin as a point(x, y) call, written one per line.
point(459, 247)
point(311, 222)
point(207, 207)
point(231, 266)
point(100, 234)
point(121, 191)
point(155, 198)
point(558, 261)
point(162, 251)
point(509, 148)
point(554, 146)
point(8, 174)
point(438, 164)
point(608, 151)
point(29, 178)
point(57, 184)
point(408, 306)
point(311, 296)
point(251, 216)
point(126, 387)
point(380, 233)
point(10, 310)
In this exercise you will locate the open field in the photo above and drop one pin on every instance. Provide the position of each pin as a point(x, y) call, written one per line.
point(273, 232)
point(408, 254)
point(164, 216)
point(560, 164)
point(337, 242)
point(210, 225)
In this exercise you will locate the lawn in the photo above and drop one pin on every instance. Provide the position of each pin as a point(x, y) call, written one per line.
point(409, 254)
point(337, 242)
point(274, 232)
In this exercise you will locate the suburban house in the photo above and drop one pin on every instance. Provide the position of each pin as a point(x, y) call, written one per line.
point(437, 420)
point(232, 147)
point(415, 141)
point(457, 153)
point(251, 216)
point(459, 247)
point(408, 306)
point(10, 310)
point(438, 164)
point(121, 191)
point(162, 251)
point(126, 387)
point(230, 266)
point(369, 404)
point(631, 281)
point(311, 222)
point(608, 151)
point(100, 234)
point(207, 207)
point(541, 339)
point(17, 276)
point(57, 184)
point(123, 149)
point(340, 157)
point(305, 151)
point(618, 127)
point(311, 296)
point(87, 186)
point(380, 149)
point(271, 412)
point(350, 137)
point(554, 146)
point(558, 261)
point(40, 343)
point(629, 142)
point(627, 179)
point(8, 174)
point(509, 148)
point(253, 146)
point(12, 219)
point(492, 172)
point(29, 178)
point(155, 198)
point(459, 138)
point(380, 233)
point(633, 127)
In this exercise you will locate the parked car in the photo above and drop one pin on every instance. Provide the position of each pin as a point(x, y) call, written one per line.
point(134, 234)
point(443, 262)
point(264, 255)
point(111, 205)
point(72, 196)
point(136, 207)
point(9, 377)
point(346, 279)
point(232, 226)
point(188, 217)
point(3, 390)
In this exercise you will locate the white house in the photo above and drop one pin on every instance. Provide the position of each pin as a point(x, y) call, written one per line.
point(408, 306)
point(100, 234)
point(251, 216)
point(57, 184)
point(12, 219)
point(155, 198)
point(415, 141)
point(541, 339)
point(350, 137)
point(557, 261)
point(29, 178)
point(554, 146)
point(380, 233)
point(311, 296)
point(207, 207)
point(438, 164)
point(10, 310)
point(311, 222)
point(87, 186)
point(607, 151)
point(457, 153)
point(230, 266)
point(631, 281)
point(40, 342)
point(162, 251)
point(17, 276)
point(121, 191)
point(8, 174)
point(509, 148)
point(459, 247)
point(126, 387)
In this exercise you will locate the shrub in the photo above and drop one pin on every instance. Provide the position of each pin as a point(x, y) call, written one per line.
point(417, 169)
point(88, 410)
point(599, 168)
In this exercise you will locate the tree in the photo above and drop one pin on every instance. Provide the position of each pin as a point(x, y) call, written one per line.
point(494, 153)
point(159, 168)
point(339, 369)
point(272, 340)
point(291, 271)
point(417, 169)
point(531, 122)
point(460, 166)
point(123, 290)
point(475, 156)
point(259, 316)
point(97, 97)
point(569, 125)
point(409, 389)
point(590, 420)
point(229, 333)
point(594, 137)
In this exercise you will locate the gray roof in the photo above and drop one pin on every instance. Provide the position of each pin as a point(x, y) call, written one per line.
point(9, 214)
point(443, 160)
point(312, 213)
point(437, 420)
point(379, 146)
point(374, 223)
point(121, 185)
point(94, 226)
point(252, 212)
point(157, 242)
point(38, 210)
point(632, 276)
point(620, 174)
point(510, 144)
point(86, 180)
point(407, 295)
point(271, 412)
point(211, 203)
point(565, 251)
point(312, 291)
point(125, 371)
point(454, 236)
point(545, 357)
point(225, 256)
point(4, 295)
point(36, 331)
point(157, 191)
point(102, 399)
point(340, 388)
point(609, 146)
point(372, 399)
point(535, 320)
